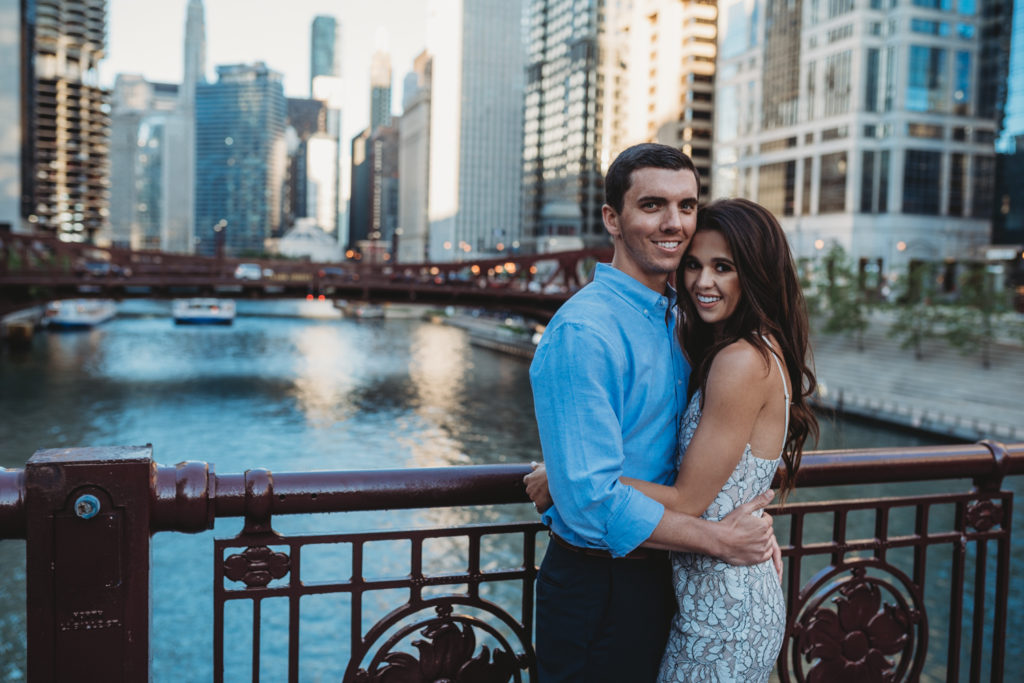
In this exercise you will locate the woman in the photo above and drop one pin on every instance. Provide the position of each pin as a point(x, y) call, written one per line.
point(745, 332)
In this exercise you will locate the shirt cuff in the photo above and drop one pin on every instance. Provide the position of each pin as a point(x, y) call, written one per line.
point(634, 524)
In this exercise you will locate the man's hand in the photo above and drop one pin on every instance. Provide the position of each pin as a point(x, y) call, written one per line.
point(744, 539)
point(776, 553)
point(537, 487)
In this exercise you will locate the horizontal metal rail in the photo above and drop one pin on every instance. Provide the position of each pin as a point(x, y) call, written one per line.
point(188, 496)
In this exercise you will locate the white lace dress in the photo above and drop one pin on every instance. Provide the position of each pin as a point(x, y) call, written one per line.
point(730, 620)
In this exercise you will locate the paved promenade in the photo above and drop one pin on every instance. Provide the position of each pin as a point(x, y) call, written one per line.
point(945, 392)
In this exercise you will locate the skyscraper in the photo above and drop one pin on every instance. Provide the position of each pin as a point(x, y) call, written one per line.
point(660, 77)
point(142, 120)
point(152, 169)
point(1008, 219)
point(380, 90)
point(325, 85)
point(414, 163)
point(324, 50)
point(179, 223)
point(12, 59)
point(476, 103)
point(66, 127)
point(564, 144)
point(864, 124)
point(240, 159)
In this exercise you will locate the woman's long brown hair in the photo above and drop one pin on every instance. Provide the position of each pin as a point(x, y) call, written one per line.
point(772, 303)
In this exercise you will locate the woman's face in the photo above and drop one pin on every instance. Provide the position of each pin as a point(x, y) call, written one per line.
point(710, 278)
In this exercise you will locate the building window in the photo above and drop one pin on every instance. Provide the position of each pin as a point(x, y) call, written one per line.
point(961, 82)
point(927, 86)
point(805, 200)
point(921, 173)
point(957, 176)
point(837, 83)
point(871, 80)
point(776, 187)
point(883, 181)
point(832, 191)
point(984, 186)
point(925, 130)
point(867, 182)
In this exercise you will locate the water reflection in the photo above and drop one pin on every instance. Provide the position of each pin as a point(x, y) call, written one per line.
point(437, 368)
point(325, 374)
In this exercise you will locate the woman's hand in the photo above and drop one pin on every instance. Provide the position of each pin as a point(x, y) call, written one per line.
point(537, 487)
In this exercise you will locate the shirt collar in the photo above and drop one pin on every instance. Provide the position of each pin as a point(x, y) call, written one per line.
point(634, 292)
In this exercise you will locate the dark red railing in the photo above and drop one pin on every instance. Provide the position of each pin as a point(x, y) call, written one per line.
point(864, 601)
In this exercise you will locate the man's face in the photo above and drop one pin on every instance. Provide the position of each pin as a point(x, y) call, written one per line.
point(659, 214)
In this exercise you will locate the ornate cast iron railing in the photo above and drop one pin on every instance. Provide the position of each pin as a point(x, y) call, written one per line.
point(861, 575)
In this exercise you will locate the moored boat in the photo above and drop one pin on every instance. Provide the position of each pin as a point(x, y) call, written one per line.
point(78, 313)
point(204, 311)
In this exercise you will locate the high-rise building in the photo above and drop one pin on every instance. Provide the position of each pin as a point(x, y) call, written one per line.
point(564, 145)
point(373, 209)
point(660, 77)
point(152, 152)
point(179, 228)
point(240, 159)
point(312, 180)
point(380, 90)
point(142, 122)
point(325, 84)
point(324, 50)
point(414, 163)
point(476, 105)
point(864, 124)
point(1008, 219)
point(360, 192)
point(12, 61)
point(65, 122)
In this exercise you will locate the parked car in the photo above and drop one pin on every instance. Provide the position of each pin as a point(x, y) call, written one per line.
point(248, 271)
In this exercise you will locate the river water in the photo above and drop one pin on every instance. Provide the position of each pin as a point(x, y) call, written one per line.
point(289, 394)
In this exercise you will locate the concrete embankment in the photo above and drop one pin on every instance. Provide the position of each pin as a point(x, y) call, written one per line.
point(945, 392)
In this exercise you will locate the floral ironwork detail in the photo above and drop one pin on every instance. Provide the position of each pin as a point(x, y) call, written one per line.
point(984, 515)
point(257, 566)
point(853, 642)
point(446, 656)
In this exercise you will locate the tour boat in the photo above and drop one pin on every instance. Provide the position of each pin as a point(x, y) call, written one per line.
point(78, 313)
point(204, 311)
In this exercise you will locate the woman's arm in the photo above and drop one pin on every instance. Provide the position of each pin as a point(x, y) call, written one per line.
point(734, 399)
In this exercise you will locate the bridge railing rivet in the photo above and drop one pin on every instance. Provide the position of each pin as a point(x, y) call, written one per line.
point(87, 506)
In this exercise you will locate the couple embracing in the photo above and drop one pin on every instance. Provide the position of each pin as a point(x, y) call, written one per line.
point(662, 423)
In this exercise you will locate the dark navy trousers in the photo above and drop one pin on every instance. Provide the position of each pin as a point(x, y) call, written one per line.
point(601, 619)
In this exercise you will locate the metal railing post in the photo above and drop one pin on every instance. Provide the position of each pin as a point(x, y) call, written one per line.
point(87, 557)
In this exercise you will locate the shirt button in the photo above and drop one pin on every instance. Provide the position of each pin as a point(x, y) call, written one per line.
point(645, 311)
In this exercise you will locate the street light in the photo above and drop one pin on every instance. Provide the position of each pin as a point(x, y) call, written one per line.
point(219, 235)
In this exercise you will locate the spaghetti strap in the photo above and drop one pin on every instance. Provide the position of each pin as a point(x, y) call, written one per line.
point(785, 388)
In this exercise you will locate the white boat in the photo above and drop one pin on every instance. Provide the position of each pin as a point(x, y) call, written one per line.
point(366, 311)
point(78, 313)
point(204, 311)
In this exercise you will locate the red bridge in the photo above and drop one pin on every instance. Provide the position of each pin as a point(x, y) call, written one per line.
point(35, 268)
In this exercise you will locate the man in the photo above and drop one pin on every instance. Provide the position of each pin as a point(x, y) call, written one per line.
point(609, 383)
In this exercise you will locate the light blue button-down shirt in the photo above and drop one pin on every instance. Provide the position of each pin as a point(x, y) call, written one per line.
point(609, 386)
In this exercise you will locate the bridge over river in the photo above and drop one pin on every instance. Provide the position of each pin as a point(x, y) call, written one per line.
point(37, 268)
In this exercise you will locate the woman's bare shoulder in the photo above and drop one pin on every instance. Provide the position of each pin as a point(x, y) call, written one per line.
point(741, 359)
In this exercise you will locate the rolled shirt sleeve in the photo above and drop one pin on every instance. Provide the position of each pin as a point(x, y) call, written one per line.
point(581, 381)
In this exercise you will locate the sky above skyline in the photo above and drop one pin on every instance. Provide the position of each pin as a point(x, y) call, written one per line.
point(148, 38)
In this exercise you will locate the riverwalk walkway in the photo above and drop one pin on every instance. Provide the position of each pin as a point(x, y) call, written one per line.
point(944, 393)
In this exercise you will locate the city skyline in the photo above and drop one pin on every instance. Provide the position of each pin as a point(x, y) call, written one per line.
point(243, 32)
